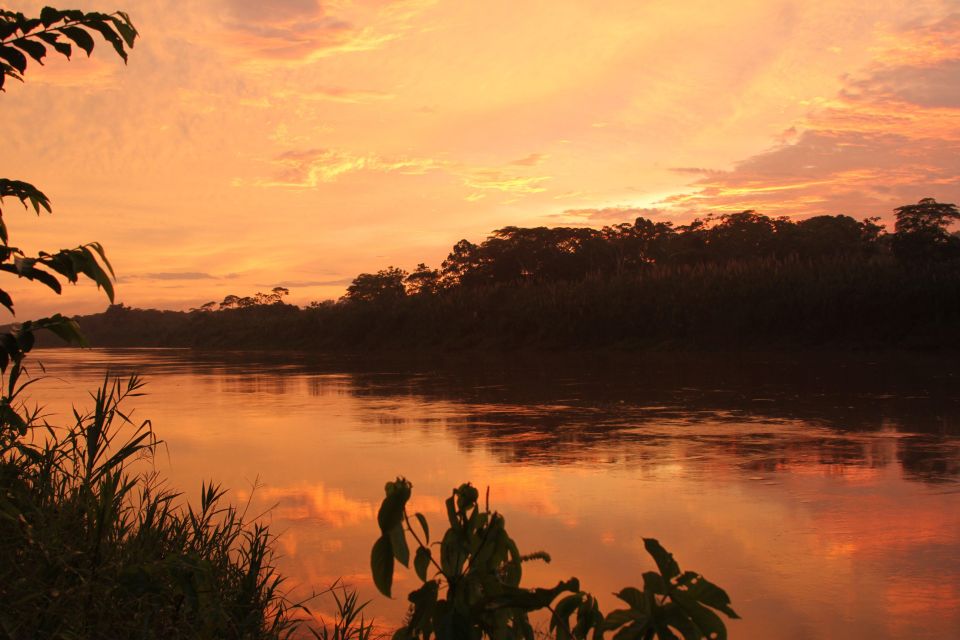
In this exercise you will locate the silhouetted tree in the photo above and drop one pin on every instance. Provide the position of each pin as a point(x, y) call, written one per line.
point(423, 280)
point(386, 284)
point(461, 266)
point(922, 231)
point(275, 296)
point(832, 235)
point(747, 234)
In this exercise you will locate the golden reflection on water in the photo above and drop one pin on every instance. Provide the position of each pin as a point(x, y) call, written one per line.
point(815, 531)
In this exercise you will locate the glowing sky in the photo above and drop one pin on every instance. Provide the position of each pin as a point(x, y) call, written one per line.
point(251, 144)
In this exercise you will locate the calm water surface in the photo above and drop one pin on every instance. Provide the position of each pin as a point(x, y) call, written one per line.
point(822, 492)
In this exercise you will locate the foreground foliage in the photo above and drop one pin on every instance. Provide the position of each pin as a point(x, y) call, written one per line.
point(90, 548)
point(21, 39)
point(471, 583)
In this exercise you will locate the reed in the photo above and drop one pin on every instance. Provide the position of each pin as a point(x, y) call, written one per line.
point(93, 545)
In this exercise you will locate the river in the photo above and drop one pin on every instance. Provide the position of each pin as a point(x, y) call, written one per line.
point(821, 491)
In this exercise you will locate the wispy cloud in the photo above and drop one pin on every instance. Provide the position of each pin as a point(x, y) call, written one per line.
point(171, 275)
point(298, 31)
point(611, 214)
point(891, 136)
point(498, 180)
point(531, 160)
point(291, 284)
point(313, 167)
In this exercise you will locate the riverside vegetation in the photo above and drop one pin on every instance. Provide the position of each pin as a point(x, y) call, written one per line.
point(89, 546)
point(93, 547)
point(730, 281)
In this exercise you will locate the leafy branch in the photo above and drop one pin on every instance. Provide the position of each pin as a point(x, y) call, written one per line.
point(61, 30)
point(21, 39)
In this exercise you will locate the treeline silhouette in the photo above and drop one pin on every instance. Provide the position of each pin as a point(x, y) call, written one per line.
point(733, 280)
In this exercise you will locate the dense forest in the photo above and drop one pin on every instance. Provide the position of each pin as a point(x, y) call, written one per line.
point(733, 280)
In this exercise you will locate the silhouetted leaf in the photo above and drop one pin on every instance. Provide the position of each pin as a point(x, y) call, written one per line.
point(533, 599)
point(664, 559)
point(96, 246)
point(381, 565)
point(398, 541)
point(27, 25)
point(390, 514)
point(653, 583)
point(7, 29)
point(467, 496)
point(110, 36)
point(125, 26)
point(24, 267)
point(66, 329)
point(620, 617)
point(93, 270)
point(695, 586)
point(561, 615)
point(60, 47)
point(24, 192)
point(424, 526)
point(450, 553)
point(16, 59)
point(80, 37)
point(632, 596)
point(49, 15)
point(707, 623)
point(6, 300)
point(421, 562)
point(35, 50)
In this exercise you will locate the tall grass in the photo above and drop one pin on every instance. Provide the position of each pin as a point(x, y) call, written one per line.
point(90, 547)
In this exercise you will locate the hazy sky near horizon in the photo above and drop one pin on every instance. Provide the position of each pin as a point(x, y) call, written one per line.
point(300, 142)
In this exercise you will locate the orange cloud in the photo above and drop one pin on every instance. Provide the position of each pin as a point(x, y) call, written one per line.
point(890, 137)
point(300, 31)
point(310, 168)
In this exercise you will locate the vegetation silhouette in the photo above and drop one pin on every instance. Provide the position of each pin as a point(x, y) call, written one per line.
point(730, 281)
point(90, 545)
point(471, 583)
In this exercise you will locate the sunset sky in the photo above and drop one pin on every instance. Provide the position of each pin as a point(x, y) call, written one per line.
point(298, 143)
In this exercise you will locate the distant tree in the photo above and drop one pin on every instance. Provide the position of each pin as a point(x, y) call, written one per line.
point(275, 296)
point(462, 266)
point(746, 234)
point(423, 280)
point(833, 235)
point(386, 284)
point(229, 302)
point(652, 241)
point(921, 231)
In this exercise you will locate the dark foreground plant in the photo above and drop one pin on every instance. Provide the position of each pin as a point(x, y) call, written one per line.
point(471, 586)
point(88, 548)
point(349, 622)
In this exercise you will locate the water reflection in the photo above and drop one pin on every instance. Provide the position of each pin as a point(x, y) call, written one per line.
point(821, 491)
